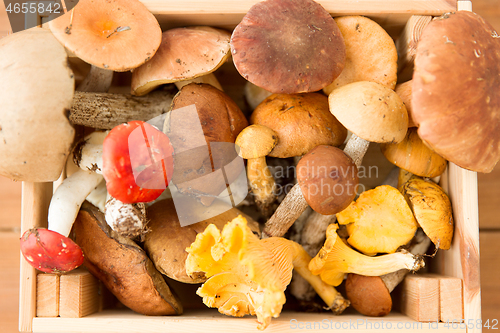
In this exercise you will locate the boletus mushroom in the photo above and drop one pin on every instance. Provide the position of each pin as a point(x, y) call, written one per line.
point(184, 54)
point(36, 91)
point(455, 99)
point(288, 46)
point(123, 266)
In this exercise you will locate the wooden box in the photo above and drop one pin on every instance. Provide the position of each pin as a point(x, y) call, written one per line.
point(461, 261)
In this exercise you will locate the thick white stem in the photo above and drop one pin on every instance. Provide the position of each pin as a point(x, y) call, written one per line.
point(68, 198)
point(98, 196)
point(97, 80)
point(88, 156)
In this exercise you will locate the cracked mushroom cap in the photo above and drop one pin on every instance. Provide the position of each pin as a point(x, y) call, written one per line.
point(370, 110)
point(118, 35)
point(456, 100)
point(288, 46)
point(302, 122)
point(328, 179)
point(36, 91)
point(371, 54)
point(184, 54)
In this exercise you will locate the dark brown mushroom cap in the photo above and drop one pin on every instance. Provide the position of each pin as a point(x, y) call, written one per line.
point(288, 46)
point(328, 179)
point(368, 295)
point(302, 122)
point(456, 99)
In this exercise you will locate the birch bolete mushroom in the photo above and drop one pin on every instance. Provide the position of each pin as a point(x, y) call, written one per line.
point(327, 181)
point(35, 135)
point(336, 258)
point(255, 142)
point(184, 54)
point(432, 209)
point(371, 54)
point(379, 221)
point(414, 156)
point(118, 36)
point(455, 96)
point(248, 275)
point(288, 46)
point(167, 240)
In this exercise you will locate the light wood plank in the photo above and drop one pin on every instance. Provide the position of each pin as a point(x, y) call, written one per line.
point(462, 260)
point(79, 294)
point(451, 306)
point(210, 321)
point(420, 298)
point(490, 271)
point(10, 205)
point(35, 205)
point(47, 295)
point(489, 199)
point(9, 281)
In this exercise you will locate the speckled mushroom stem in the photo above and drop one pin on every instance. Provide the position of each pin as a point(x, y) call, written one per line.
point(97, 80)
point(128, 220)
point(105, 111)
point(262, 184)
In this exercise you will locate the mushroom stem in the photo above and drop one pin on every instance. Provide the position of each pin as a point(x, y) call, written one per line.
point(209, 78)
point(128, 220)
point(88, 154)
point(98, 196)
point(97, 80)
point(289, 210)
point(105, 111)
point(261, 182)
point(68, 198)
point(356, 149)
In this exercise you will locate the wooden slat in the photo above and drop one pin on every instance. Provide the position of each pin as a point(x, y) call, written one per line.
point(489, 199)
point(451, 307)
point(420, 298)
point(35, 204)
point(9, 281)
point(79, 294)
point(47, 295)
point(210, 321)
point(462, 260)
point(490, 271)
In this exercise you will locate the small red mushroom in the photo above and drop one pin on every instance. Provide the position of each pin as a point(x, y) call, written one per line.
point(137, 162)
point(50, 252)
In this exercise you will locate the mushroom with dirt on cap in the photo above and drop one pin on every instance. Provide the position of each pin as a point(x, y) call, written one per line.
point(288, 46)
point(185, 55)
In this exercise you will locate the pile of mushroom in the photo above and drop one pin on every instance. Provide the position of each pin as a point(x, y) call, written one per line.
point(320, 90)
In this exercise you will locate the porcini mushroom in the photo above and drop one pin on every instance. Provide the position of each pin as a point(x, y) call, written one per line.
point(414, 156)
point(288, 46)
point(455, 96)
point(248, 275)
point(102, 32)
point(371, 54)
point(184, 54)
point(379, 221)
point(432, 209)
point(35, 135)
point(255, 142)
point(327, 180)
point(336, 259)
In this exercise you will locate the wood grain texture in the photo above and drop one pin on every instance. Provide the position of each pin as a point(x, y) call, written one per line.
point(420, 298)
point(47, 295)
point(490, 271)
point(489, 199)
point(9, 281)
point(450, 299)
point(79, 294)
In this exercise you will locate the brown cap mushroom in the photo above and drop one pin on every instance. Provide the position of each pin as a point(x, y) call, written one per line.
point(302, 122)
point(288, 46)
point(371, 54)
point(455, 101)
point(414, 156)
point(167, 240)
point(404, 92)
point(327, 181)
point(368, 295)
point(184, 54)
point(36, 91)
point(117, 35)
